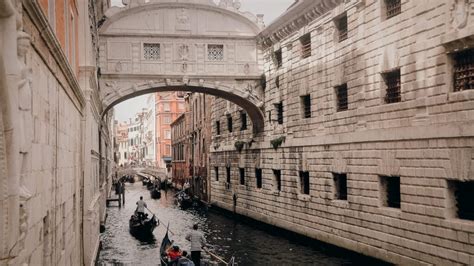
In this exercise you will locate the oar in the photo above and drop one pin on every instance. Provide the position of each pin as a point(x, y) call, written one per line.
point(215, 256)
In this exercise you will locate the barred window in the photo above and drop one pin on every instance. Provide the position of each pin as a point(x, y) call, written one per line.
point(216, 171)
point(229, 123)
point(278, 58)
point(463, 70)
point(340, 183)
point(258, 177)
point(305, 42)
point(463, 195)
point(390, 191)
point(218, 127)
point(304, 182)
point(277, 179)
point(393, 8)
point(306, 104)
point(392, 81)
point(242, 176)
point(151, 51)
point(227, 171)
point(243, 119)
point(341, 25)
point(341, 95)
point(279, 109)
point(215, 52)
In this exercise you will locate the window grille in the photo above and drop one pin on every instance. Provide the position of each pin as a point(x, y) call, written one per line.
point(304, 182)
point(279, 109)
point(464, 70)
point(243, 118)
point(393, 7)
point(151, 51)
point(341, 95)
point(258, 177)
point(341, 25)
point(392, 81)
point(227, 170)
point(229, 123)
point(278, 58)
point(218, 127)
point(277, 181)
point(390, 191)
point(340, 183)
point(463, 195)
point(305, 42)
point(242, 176)
point(216, 171)
point(215, 52)
point(306, 102)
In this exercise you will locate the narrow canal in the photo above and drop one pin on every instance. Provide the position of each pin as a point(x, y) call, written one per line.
point(251, 244)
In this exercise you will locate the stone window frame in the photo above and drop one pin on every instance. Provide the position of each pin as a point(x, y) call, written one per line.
point(385, 9)
point(385, 191)
point(452, 65)
point(305, 106)
point(258, 178)
point(342, 104)
point(302, 188)
point(277, 180)
point(223, 59)
point(159, 57)
point(337, 186)
point(384, 75)
point(305, 45)
point(340, 36)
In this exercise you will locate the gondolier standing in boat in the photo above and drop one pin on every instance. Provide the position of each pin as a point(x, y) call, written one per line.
point(141, 205)
point(197, 241)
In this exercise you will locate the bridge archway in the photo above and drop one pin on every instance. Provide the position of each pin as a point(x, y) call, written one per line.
point(192, 45)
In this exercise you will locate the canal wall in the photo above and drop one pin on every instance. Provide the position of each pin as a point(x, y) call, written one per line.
point(345, 158)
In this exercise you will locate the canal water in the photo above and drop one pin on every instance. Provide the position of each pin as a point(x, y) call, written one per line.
point(249, 242)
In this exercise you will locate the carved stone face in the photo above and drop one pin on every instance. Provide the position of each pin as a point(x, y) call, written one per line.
point(23, 45)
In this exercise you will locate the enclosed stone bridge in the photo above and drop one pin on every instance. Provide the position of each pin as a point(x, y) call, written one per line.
point(175, 45)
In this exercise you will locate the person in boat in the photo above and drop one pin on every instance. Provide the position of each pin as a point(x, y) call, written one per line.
point(197, 241)
point(141, 205)
point(184, 260)
point(174, 254)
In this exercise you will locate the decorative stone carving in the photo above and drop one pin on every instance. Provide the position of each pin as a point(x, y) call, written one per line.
point(184, 67)
point(201, 82)
point(183, 52)
point(118, 67)
point(460, 13)
point(186, 80)
point(246, 69)
point(182, 20)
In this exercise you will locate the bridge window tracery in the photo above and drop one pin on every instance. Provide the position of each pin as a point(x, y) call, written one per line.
point(215, 52)
point(151, 51)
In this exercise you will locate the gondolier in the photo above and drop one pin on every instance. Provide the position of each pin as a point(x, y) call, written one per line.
point(141, 205)
point(197, 241)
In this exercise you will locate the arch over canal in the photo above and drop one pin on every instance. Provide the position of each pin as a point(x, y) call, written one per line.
point(173, 45)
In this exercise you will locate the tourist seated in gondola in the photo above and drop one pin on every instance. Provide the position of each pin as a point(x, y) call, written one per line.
point(174, 254)
point(141, 205)
point(184, 260)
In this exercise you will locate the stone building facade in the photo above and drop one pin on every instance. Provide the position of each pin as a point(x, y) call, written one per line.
point(54, 156)
point(180, 164)
point(368, 136)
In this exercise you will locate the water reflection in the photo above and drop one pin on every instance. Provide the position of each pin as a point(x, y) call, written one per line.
point(250, 244)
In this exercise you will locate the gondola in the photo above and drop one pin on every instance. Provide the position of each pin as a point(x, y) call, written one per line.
point(142, 227)
point(155, 193)
point(184, 200)
point(165, 244)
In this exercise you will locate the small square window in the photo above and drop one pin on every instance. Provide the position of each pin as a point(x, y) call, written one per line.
point(279, 109)
point(216, 172)
point(341, 96)
point(306, 106)
point(462, 195)
point(304, 182)
point(227, 171)
point(243, 119)
point(463, 76)
point(341, 25)
point(242, 176)
point(305, 42)
point(390, 191)
point(215, 52)
point(258, 177)
point(277, 179)
point(218, 127)
point(340, 184)
point(229, 123)
point(393, 8)
point(278, 58)
point(151, 51)
point(392, 83)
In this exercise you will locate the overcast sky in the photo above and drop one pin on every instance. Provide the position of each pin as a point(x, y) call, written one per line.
point(271, 10)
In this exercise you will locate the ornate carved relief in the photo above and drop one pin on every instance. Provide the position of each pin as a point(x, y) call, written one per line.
point(182, 20)
point(183, 52)
point(460, 13)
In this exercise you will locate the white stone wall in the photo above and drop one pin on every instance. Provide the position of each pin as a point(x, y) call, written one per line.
point(426, 139)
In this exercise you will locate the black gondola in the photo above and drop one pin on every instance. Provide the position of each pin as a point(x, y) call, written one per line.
point(165, 245)
point(142, 227)
point(155, 193)
point(184, 200)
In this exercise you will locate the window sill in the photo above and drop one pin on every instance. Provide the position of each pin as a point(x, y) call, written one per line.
point(459, 96)
point(394, 211)
point(341, 203)
point(275, 192)
point(304, 197)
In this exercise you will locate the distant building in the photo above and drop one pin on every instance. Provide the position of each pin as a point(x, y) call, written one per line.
point(168, 106)
point(149, 127)
point(121, 141)
point(180, 151)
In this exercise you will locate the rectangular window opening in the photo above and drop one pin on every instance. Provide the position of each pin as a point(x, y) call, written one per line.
point(463, 71)
point(304, 182)
point(390, 191)
point(341, 25)
point(462, 194)
point(306, 104)
point(340, 184)
point(218, 127)
point(243, 118)
point(279, 110)
point(215, 52)
point(229, 123)
point(242, 176)
point(258, 177)
point(393, 8)
point(392, 83)
point(216, 172)
point(151, 51)
point(278, 58)
point(277, 179)
point(227, 170)
point(305, 42)
point(341, 96)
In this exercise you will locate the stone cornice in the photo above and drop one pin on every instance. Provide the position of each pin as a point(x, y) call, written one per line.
point(294, 19)
point(36, 14)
